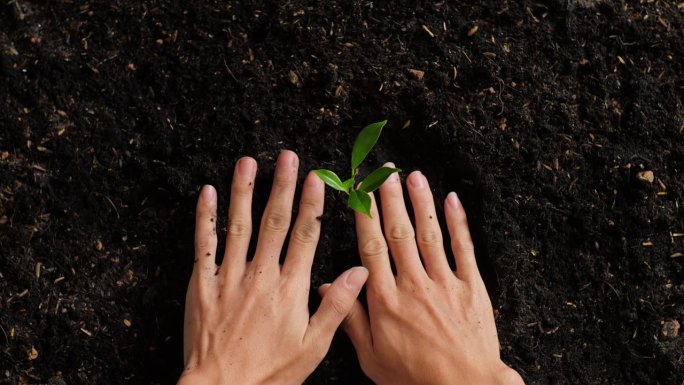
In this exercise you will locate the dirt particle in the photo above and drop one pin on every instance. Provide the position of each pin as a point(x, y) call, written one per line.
point(32, 353)
point(294, 79)
point(515, 144)
point(428, 31)
point(416, 74)
point(669, 329)
point(646, 176)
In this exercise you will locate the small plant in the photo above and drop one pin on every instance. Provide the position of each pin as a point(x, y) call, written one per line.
point(359, 198)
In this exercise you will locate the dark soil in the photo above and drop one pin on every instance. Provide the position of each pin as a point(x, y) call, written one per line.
point(114, 113)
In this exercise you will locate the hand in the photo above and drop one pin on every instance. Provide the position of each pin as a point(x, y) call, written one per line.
point(427, 324)
point(248, 322)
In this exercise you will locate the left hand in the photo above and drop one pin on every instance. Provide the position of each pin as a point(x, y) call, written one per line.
point(248, 322)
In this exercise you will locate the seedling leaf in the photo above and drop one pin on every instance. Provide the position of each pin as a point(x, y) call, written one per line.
point(348, 184)
point(365, 142)
point(360, 201)
point(331, 179)
point(376, 178)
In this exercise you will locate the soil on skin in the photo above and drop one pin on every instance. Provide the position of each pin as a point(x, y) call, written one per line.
point(546, 120)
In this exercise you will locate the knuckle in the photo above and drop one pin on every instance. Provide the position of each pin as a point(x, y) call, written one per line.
point(238, 228)
point(374, 247)
point(429, 238)
point(472, 297)
point(282, 181)
point(276, 221)
point(387, 302)
point(205, 305)
point(463, 245)
point(338, 304)
point(203, 297)
point(202, 244)
point(400, 233)
point(308, 205)
point(305, 233)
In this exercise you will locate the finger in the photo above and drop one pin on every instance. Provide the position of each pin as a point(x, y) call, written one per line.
point(239, 217)
point(335, 306)
point(306, 231)
point(205, 233)
point(356, 324)
point(276, 219)
point(461, 243)
point(398, 228)
point(373, 248)
point(429, 235)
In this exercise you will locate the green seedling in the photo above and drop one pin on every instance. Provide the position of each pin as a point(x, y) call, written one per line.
point(359, 198)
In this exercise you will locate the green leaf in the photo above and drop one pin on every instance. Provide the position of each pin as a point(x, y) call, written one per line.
point(331, 179)
point(360, 201)
point(348, 184)
point(365, 142)
point(376, 178)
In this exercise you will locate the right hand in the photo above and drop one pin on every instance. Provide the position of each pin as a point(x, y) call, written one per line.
point(428, 324)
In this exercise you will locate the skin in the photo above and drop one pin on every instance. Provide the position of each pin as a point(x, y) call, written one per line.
point(427, 324)
point(248, 322)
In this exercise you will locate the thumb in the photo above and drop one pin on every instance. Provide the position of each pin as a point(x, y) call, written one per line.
point(355, 324)
point(338, 301)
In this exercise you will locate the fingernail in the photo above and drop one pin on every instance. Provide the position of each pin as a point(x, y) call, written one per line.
point(452, 200)
point(356, 278)
point(313, 180)
point(208, 192)
point(246, 166)
point(417, 180)
point(287, 158)
point(395, 176)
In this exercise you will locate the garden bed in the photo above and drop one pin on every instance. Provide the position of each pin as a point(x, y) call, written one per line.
point(561, 126)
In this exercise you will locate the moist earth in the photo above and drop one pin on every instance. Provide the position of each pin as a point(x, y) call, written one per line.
point(559, 123)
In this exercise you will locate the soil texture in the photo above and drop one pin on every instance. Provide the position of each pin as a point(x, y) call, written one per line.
point(559, 123)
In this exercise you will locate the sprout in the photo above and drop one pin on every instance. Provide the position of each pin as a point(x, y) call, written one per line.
point(359, 198)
